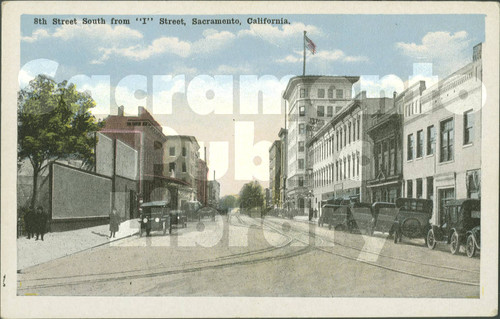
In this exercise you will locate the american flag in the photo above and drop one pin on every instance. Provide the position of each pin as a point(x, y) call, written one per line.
point(310, 45)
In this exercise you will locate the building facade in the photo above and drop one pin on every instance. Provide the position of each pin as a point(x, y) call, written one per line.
point(181, 155)
point(145, 135)
point(201, 182)
point(442, 138)
point(275, 173)
point(283, 167)
point(385, 128)
point(340, 152)
point(312, 101)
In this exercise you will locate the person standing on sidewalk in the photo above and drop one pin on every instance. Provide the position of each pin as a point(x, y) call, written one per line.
point(29, 217)
point(114, 223)
point(41, 222)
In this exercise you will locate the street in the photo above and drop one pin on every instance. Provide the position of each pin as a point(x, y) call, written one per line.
point(237, 255)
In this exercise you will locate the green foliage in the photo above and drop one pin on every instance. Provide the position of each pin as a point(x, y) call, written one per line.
point(54, 122)
point(228, 201)
point(251, 195)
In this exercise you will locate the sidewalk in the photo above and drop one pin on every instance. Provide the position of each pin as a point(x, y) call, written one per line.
point(59, 244)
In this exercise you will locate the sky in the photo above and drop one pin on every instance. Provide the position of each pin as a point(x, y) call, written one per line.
point(204, 80)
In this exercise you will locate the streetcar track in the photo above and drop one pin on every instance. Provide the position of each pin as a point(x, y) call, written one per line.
point(178, 271)
point(386, 267)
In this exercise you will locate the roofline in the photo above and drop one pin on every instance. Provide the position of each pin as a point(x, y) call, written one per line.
point(306, 78)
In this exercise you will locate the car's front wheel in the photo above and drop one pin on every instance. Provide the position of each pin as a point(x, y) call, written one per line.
point(431, 239)
point(470, 246)
point(454, 243)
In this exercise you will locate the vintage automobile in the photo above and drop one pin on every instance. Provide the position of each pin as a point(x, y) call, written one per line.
point(154, 216)
point(361, 217)
point(206, 211)
point(461, 221)
point(336, 213)
point(178, 219)
point(384, 215)
point(412, 220)
point(336, 216)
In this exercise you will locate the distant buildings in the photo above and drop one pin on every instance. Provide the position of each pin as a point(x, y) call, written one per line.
point(283, 166)
point(213, 193)
point(275, 173)
point(201, 182)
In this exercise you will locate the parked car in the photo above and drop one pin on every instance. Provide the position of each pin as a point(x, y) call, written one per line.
point(460, 226)
point(384, 216)
point(412, 220)
point(361, 217)
point(154, 216)
point(178, 219)
point(336, 216)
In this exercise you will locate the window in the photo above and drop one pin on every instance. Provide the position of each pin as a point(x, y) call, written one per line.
point(357, 164)
point(301, 146)
point(446, 141)
point(444, 196)
point(340, 94)
point(301, 163)
point(329, 111)
point(345, 135)
point(184, 169)
point(354, 130)
point(303, 92)
point(468, 127)
point(302, 110)
point(321, 111)
point(419, 188)
point(171, 151)
point(184, 151)
point(349, 132)
point(430, 187)
point(392, 156)
point(330, 93)
point(302, 128)
point(410, 147)
point(157, 145)
point(359, 124)
point(301, 181)
point(431, 140)
point(171, 167)
point(409, 188)
point(420, 143)
point(473, 183)
point(321, 93)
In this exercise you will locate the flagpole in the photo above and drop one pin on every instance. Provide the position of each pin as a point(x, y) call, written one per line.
point(304, 60)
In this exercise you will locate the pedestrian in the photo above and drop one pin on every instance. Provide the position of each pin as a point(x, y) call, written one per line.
point(41, 223)
point(114, 223)
point(28, 223)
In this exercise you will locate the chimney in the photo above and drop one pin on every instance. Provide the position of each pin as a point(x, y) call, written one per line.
point(214, 175)
point(394, 95)
point(120, 110)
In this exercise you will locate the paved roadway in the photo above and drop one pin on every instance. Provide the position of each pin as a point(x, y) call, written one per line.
point(242, 256)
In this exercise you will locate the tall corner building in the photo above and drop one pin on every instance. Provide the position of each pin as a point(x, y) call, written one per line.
point(312, 100)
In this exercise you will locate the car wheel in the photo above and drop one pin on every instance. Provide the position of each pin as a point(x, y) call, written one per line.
point(454, 243)
point(470, 246)
point(431, 240)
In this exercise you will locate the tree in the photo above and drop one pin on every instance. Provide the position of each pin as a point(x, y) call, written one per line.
point(228, 201)
point(54, 122)
point(251, 195)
